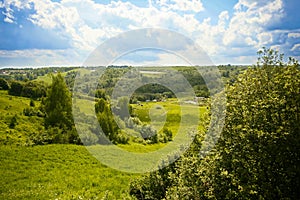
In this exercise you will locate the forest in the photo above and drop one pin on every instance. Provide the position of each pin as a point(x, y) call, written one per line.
point(45, 156)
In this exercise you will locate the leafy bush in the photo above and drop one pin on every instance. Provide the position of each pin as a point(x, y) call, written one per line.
point(165, 136)
point(4, 84)
point(16, 88)
point(148, 133)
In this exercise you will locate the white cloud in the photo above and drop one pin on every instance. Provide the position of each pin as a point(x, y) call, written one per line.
point(86, 23)
point(9, 12)
point(294, 35)
point(265, 38)
point(248, 25)
point(9, 18)
point(296, 47)
point(181, 5)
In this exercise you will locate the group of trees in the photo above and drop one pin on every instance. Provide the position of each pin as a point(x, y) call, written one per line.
point(54, 109)
point(114, 121)
point(30, 89)
point(257, 156)
point(112, 75)
point(28, 74)
point(108, 124)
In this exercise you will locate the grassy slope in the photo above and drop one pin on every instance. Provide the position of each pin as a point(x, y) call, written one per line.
point(51, 171)
point(57, 172)
point(9, 107)
point(64, 171)
point(47, 77)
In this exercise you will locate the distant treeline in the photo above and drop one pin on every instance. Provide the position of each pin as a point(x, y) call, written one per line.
point(25, 74)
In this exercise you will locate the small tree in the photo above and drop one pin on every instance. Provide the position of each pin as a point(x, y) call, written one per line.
point(13, 122)
point(32, 104)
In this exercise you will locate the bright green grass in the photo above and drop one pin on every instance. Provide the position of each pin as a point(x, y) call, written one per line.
point(48, 79)
point(147, 112)
point(58, 172)
point(86, 105)
point(141, 148)
point(152, 112)
point(11, 106)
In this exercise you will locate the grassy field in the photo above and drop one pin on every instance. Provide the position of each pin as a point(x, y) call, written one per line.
point(58, 172)
point(10, 107)
point(47, 77)
point(168, 114)
point(69, 171)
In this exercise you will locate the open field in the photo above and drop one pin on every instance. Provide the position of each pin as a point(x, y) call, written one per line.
point(168, 114)
point(58, 172)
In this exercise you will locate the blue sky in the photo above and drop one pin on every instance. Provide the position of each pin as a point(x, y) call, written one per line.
point(65, 32)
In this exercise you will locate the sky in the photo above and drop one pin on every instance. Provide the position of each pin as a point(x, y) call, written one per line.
point(65, 32)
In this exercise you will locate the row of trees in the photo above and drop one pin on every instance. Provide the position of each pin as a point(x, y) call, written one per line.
point(257, 156)
point(28, 74)
point(30, 89)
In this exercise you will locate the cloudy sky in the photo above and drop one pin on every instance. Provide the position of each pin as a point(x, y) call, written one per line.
point(65, 32)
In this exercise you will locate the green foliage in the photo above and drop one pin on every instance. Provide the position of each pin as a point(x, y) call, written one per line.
point(32, 104)
point(58, 104)
point(24, 128)
point(123, 109)
point(260, 144)
point(108, 124)
point(13, 122)
point(148, 133)
point(100, 93)
point(58, 108)
point(153, 185)
point(16, 88)
point(4, 84)
point(166, 135)
point(33, 90)
point(29, 89)
point(257, 155)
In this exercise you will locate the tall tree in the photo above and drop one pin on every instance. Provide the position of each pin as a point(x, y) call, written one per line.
point(58, 104)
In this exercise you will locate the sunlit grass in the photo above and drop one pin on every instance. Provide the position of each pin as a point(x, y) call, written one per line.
point(57, 172)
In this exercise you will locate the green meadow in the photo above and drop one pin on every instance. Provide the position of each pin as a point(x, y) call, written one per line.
point(64, 171)
point(58, 172)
